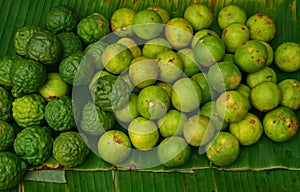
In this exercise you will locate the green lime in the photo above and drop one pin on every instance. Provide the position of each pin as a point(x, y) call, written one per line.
point(174, 152)
point(143, 133)
point(186, 95)
point(172, 123)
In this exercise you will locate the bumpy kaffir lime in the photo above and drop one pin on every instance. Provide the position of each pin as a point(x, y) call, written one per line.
point(33, 145)
point(74, 71)
point(70, 43)
point(28, 110)
point(93, 27)
point(22, 37)
point(59, 114)
point(61, 17)
point(111, 93)
point(44, 47)
point(12, 170)
point(70, 149)
point(5, 104)
point(6, 63)
point(27, 76)
point(7, 135)
point(95, 121)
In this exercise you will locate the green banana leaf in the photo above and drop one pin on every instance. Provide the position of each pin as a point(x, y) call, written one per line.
point(264, 155)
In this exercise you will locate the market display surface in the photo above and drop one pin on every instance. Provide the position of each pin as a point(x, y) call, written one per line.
point(145, 90)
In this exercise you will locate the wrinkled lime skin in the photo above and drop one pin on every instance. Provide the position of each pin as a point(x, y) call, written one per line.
point(95, 121)
point(93, 27)
point(248, 131)
point(27, 76)
point(12, 170)
point(111, 93)
point(70, 43)
point(121, 22)
point(266, 96)
point(114, 146)
point(33, 145)
point(75, 70)
point(60, 114)
point(22, 37)
point(61, 18)
point(6, 63)
point(224, 150)
point(70, 149)
point(280, 124)
point(5, 104)
point(174, 152)
point(290, 93)
point(28, 110)
point(44, 47)
point(7, 135)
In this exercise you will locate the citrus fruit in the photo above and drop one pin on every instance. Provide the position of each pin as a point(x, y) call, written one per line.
point(114, 146)
point(198, 130)
point(248, 131)
point(280, 124)
point(70, 149)
point(143, 133)
point(186, 95)
point(224, 150)
point(172, 123)
point(153, 102)
point(33, 145)
point(173, 152)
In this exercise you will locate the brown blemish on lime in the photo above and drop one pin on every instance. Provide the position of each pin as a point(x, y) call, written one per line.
point(252, 121)
point(117, 139)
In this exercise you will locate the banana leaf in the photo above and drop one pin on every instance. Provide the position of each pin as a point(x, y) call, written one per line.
point(264, 155)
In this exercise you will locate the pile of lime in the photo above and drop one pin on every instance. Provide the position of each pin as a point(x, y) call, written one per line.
point(144, 81)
